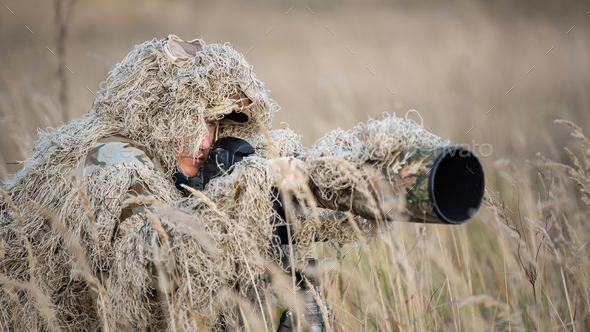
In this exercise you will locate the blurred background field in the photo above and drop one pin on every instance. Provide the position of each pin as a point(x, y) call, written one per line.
point(467, 67)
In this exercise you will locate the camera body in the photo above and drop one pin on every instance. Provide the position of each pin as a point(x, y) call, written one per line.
point(224, 154)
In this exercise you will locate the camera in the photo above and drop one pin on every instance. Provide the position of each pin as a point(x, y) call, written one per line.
point(224, 154)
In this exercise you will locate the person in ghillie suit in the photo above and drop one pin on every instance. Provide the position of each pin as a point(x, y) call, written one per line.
point(96, 233)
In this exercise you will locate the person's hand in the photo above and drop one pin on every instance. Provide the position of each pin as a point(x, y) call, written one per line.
point(291, 174)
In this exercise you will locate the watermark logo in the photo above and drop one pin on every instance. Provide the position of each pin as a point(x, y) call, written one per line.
point(484, 150)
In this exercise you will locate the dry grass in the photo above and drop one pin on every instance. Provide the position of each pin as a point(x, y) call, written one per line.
point(531, 274)
point(526, 270)
point(521, 264)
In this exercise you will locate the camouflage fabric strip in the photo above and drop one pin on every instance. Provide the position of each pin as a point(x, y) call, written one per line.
point(110, 151)
point(117, 150)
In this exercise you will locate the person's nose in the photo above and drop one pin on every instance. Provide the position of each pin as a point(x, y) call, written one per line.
point(206, 143)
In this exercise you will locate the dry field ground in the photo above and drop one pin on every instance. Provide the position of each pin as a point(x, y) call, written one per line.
point(495, 75)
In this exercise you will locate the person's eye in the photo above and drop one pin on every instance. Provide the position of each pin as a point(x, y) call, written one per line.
point(211, 124)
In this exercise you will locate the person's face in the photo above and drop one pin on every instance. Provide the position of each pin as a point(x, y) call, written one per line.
point(188, 165)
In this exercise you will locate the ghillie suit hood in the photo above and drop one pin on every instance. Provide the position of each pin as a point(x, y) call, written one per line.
point(160, 95)
point(81, 251)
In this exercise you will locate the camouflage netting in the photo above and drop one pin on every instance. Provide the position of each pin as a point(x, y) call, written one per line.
point(77, 262)
point(359, 159)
